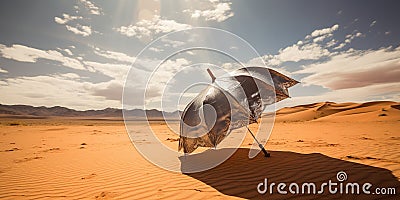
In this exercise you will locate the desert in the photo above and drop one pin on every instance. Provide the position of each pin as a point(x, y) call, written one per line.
point(86, 158)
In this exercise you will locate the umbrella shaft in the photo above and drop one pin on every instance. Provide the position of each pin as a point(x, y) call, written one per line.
point(253, 136)
point(266, 154)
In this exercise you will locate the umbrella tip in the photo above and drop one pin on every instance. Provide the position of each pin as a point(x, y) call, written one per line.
point(211, 75)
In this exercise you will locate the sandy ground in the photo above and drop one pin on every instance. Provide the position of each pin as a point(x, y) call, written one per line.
point(88, 159)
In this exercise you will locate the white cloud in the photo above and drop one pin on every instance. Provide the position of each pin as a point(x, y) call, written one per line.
point(93, 9)
point(66, 18)
point(322, 37)
point(135, 86)
point(296, 53)
point(69, 52)
point(70, 87)
point(351, 75)
point(148, 28)
point(70, 75)
point(52, 90)
point(28, 54)
point(255, 62)
point(70, 90)
point(112, 90)
point(155, 49)
point(309, 49)
point(3, 71)
point(354, 35)
point(167, 69)
point(299, 43)
point(80, 30)
point(115, 71)
point(77, 28)
point(340, 46)
point(355, 68)
point(331, 43)
point(349, 38)
point(163, 75)
point(372, 24)
point(171, 43)
point(324, 31)
point(118, 56)
point(219, 11)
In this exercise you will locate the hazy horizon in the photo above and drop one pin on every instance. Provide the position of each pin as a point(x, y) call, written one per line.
point(77, 54)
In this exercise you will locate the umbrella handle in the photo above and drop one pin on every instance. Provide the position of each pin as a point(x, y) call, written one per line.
point(266, 154)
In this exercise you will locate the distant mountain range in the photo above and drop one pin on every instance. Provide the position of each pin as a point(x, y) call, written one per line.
point(26, 111)
point(316, 111)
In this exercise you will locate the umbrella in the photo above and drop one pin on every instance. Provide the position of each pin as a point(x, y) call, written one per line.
point(231, 101)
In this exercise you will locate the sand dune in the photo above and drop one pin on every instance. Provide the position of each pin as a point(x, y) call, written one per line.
point(61, 158)
point(371, 111)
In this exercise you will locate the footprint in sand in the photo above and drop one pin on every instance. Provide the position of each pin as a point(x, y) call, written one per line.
point(55, 129)
point(350, 157)
point(332, 145)
point(55, 149)
point(27, 159)
point(362, 158)
point(12, 149)
point(82, 145)
point(366, 138)
point(92, 175)
point(317, 144)
point(172, 139)
point(276, 143)
point(105, 195)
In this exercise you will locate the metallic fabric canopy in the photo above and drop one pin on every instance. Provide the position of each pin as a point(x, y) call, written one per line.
point(232, 101)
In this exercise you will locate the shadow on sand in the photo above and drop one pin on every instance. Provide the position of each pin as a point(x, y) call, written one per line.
point(239, 176)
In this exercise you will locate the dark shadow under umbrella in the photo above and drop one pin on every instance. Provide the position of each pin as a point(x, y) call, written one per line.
point(230, 102)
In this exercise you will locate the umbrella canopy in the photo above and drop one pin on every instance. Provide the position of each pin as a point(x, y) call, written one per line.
point(232, 101)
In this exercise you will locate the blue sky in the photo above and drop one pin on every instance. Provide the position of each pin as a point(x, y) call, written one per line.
point(78, 53)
